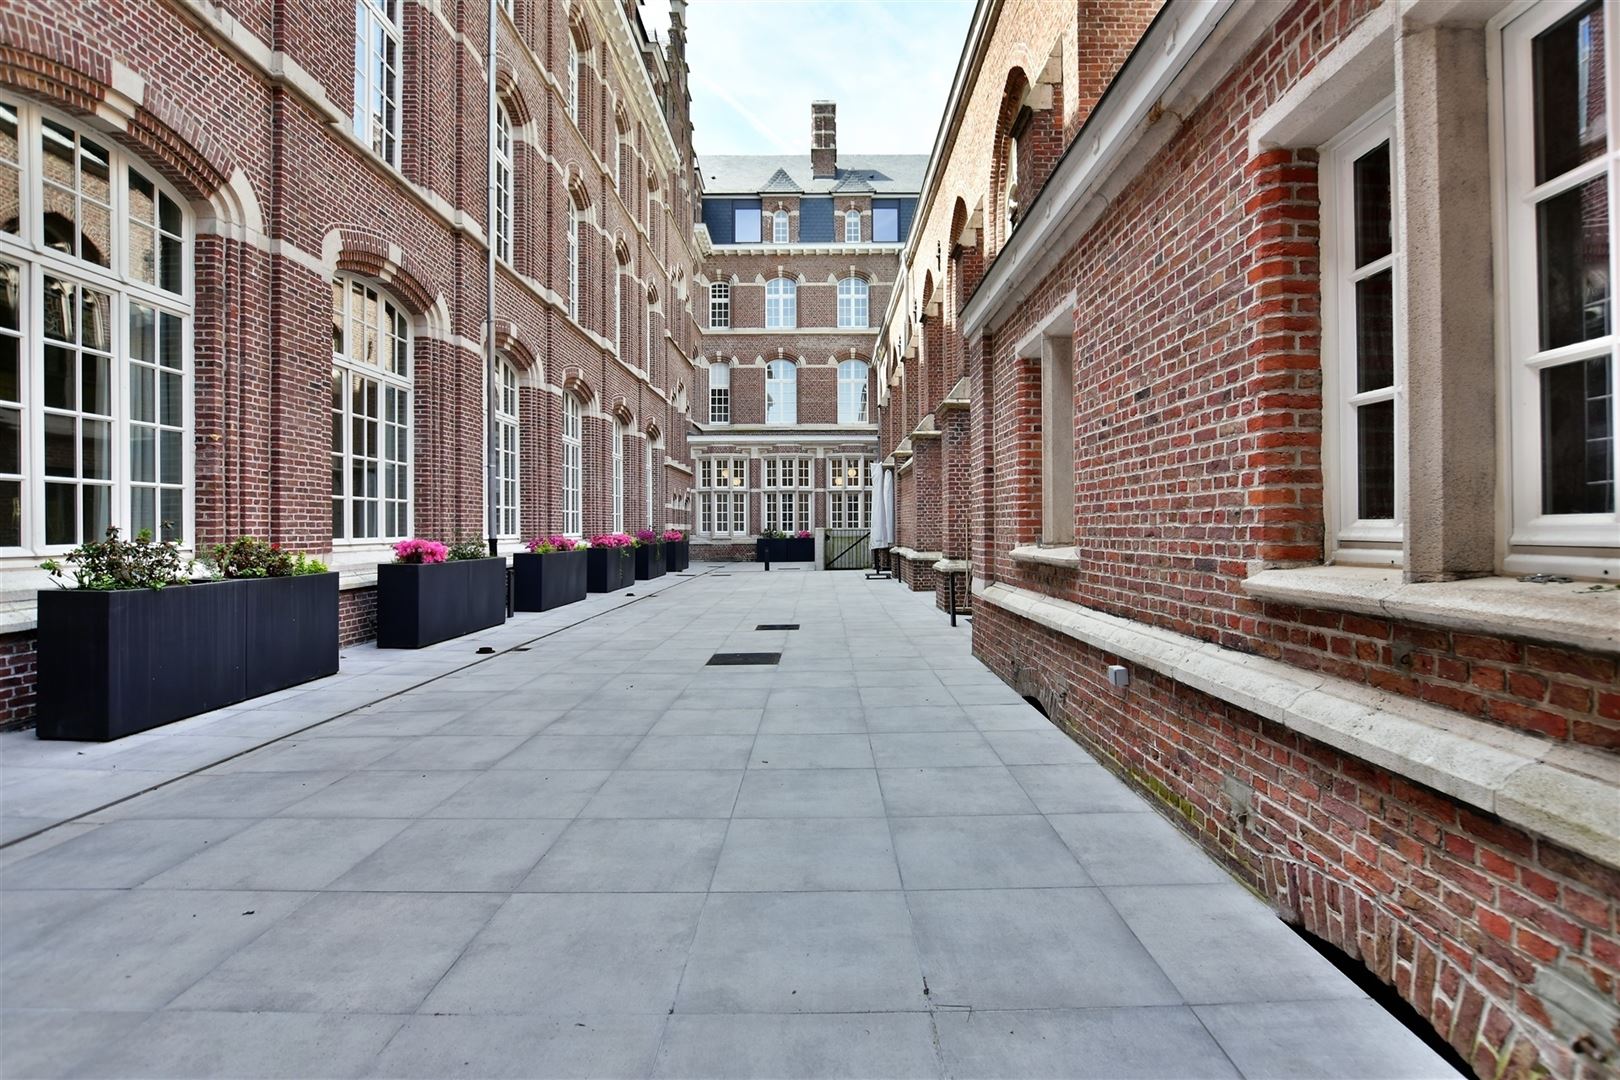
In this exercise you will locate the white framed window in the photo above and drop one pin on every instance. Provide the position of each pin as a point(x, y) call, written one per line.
point(376, 76)
point(782, 392)
point(95, 340)
point(852, 392)
point(852, 303)
point(779, 227)
point(745, 222)
point(572, 256)
point(618, 307)
point(886, 221)
point(508, 452)
point(852, 226)
point(781, 304)
point(1364, 395)
point(1561, 174)
point(573, 520)
point(503, 183)
point(572, 75)
point(849, 492)
point(371, 414)
point(786, 493)
point(649, 480)
point(722, 496)
point(719, 393)
point(647, 341)
point(618, 475)
point(720, 305)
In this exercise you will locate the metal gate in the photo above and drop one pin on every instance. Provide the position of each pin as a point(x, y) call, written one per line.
point(847, 549)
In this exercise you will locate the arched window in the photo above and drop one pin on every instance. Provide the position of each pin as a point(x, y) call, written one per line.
point(652, 298)
point(376, 76)
point(779, 227)
point(781, 304)
point(618, 307)
point(720, 305)
point(507, 452)
point(503, 184)
point(371, 414)
point(574, 60)
point(782, 392)
point(719, 393)
point(573, 253)
point(95, 370)
point(852, 308)
point(852, 392)
point(852, 227)
point(618, 475)
point(649, 480)
point(572, 519)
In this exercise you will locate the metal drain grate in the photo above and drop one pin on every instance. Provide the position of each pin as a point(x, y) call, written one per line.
point(777, 626)
point(733, 659)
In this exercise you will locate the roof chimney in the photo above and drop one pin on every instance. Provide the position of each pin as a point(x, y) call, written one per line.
point(823, 139)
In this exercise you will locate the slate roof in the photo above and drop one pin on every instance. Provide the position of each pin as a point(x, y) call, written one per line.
point(749, 174)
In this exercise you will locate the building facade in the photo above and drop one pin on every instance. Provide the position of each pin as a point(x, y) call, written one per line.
point(1257, 359)
point(799, 262)
point(243, 259)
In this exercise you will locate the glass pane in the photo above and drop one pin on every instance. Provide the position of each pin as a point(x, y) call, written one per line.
point(170, 249)
point(1572, 232)
point(1577, 438)
point(1372, 204)
point(61, 450)
point(885, 225)
point(95, 177)
point(173, 514)
point(143, 511)
point(57, 143)
point(58, 305)
point(142, 333)
point(169, 214)
point(142, 254)
point(95, 313)
point(61, 514)
point(10, 443)
point(95, 391)
point(10, 210)
point(170, 459)
point(142, 455)
point(97, 439)
point(97, 235)
point(60, 218)
point(97, 510)
point(1375, 458)
point(10, 281)
point(9, 388)
point(142, 199)
point(170, 400)
point(10, 513)
point(142, 395)
point(1569, 90)
point(169, 343)
point(60, 383)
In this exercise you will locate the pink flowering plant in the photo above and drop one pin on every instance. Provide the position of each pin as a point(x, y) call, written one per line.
point(673, 536)
point(545, 545)
point(420, 552)
point(804, 534)
point(645, 536)
point(613, 540)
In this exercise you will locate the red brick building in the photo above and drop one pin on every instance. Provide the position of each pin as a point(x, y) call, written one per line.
point(1256, 360)
point(243, 258)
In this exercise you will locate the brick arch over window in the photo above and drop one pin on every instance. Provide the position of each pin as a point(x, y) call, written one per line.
point(509, 91)
point(509, 341)
point(1028, 142)
point(368, 255)
point(575, 383)
point(619, 409)
point(1003, 164)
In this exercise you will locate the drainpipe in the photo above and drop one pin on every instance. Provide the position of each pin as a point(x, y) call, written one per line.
point(490, 453)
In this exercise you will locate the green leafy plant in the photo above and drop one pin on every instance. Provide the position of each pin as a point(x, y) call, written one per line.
point(251, 557)
point(115, 563)
point(774, 534)
point(472, 548)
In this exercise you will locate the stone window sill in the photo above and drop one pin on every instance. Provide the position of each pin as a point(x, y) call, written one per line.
point(1066, 557)
point(912, 555)
point(1569, 614)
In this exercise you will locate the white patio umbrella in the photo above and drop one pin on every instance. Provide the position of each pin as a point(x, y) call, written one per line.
point(879, 517)
point(888, 508)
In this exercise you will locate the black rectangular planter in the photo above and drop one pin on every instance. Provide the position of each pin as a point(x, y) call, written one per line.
point(650, 561)
point(548, 581)
point(609, 569)
point(789, 549)
point(677, 555)
point(115, 663)
point(420, 604)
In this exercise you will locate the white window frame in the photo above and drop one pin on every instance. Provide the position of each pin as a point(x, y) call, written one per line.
point(852, 226)
point(722, 496)
point(380, 43)
point(720, 305)
point(1351, 538)
point(854, 298)
point(648, 486)
point(618, 307)
point(572, 256)
point(573, 522)
point(719, 393)
point(787, 493)
point(779, 227)
point(781, 392)
point(126, 288)
point(574, 60)
point(854, 392)
point(1521, 358)
point(647, 341)
point(503, 183)
point(392, 504)
point(508, 451)
point(849, 492)
point(781, 304)
point(618, 475)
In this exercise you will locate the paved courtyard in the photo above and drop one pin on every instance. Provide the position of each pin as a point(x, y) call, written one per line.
point(595, 855)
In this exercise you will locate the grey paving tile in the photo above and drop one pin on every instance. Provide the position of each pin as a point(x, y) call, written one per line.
point(690, 752)
point(519, 721)
point(907, 696)
point(714, 696)
point(205, 1045)
point(139, 949)
point(282, 853)
point(449, 752)
point(522, 1047)
point(804, 854)
point(237, 795)
point(604, 855)
point(574, 953)
point(1148, 1043)
point(1219, 944)
point(120, 854)
point(916, 718)
point(27, 915)
point(1078, 789)
point(300, 754)
point(708, 722)
point(811, 752)
point(987, 852)
point(696, 793)
point(952, 791)
point(343, 952)
point(49, 1044)
point(809, 793)
point(985, 693)
point(594, 718)
point(798, 721)
point(803, 952)
point(1135, 849)
point(798, 1047)
point(455, 855)
point(1032, 949)
point(380, 795)
point(1020, 717)
point(548, 751)
point(935, 749)
point(1049, 747)
point(522, 793)
point(383, 720)
point(1287, 1039)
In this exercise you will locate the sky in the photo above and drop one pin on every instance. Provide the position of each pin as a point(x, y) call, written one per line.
point(757, 64)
